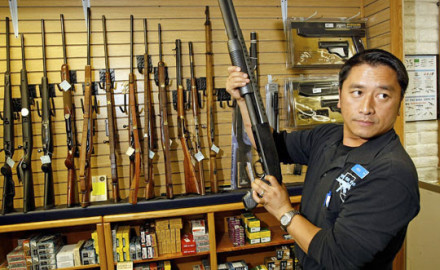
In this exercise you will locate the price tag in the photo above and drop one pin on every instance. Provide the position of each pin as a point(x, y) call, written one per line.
point(215, 148)
point(45, 159)
point(65, 85)
point(199, 156)
point(124, 265)
point(24, 112)
point(151, 154)
point(130, 151)
point(10, 162)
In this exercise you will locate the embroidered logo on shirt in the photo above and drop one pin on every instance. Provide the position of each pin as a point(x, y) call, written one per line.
point(346, 181)
point(360, 171)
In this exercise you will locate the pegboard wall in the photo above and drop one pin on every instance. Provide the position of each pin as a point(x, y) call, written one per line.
point(179, 20)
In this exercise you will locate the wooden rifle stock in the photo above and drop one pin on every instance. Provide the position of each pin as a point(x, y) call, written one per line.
point(192, 183)
point(134, 187)
point(161, 79)
point(86, 150)
point(69, 119)
point(210, 105)
point(196, 117)
point(111, 119)
point(149, 123)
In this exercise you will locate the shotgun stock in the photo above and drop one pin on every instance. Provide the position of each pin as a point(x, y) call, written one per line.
point(162, 80)
point(111, 130)
point(192, 182)
point(69, 120)
point(149, 122)
point(8, 134)
point(24, 168)
point(135, 140)
point(210, 106)
point(86, 149)
point(197, 126)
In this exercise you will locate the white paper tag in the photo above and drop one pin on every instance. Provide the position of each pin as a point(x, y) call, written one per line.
point(24, 112)
point(45, 159)
point(130, 151)
point(215, 148)
point(199, 156)
point(171, 142)
point(65, 85)
point(10, 162)
point(151, 154)
point(124, 265)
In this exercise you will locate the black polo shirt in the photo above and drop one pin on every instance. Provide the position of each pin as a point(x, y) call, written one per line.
point(362, 198)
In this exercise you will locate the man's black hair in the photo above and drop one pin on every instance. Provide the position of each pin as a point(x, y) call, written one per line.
point(376, 57)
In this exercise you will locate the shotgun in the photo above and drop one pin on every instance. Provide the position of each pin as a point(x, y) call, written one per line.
point(196, 116)
point(24, 168)
point(66, 87)
point(135, 140)
point(8, 134)
point(161, 79)
point(111, 131)
point(192, 181)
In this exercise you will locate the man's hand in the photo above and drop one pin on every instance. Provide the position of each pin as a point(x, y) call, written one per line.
point(236, 80)
point(274, 197)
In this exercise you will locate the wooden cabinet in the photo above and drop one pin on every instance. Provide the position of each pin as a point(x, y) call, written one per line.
point(73, 230)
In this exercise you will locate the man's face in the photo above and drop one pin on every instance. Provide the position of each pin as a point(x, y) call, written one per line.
point(369, 101)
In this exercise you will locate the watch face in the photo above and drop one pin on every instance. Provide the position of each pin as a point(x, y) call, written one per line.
point(285, 219)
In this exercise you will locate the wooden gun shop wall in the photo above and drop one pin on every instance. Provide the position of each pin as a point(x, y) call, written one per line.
point(125, 23)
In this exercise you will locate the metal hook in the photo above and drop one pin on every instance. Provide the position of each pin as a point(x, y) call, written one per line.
point(1, 117)
point(38, 109)
point(52, 111)
point(82, 105)
point(124, 110)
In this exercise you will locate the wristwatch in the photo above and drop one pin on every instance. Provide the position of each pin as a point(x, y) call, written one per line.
point(287, 218)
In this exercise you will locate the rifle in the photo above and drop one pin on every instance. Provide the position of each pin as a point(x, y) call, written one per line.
point(86, 150)
point(110, 127)
point(135, 140)
point(260, 126)
point(24, 168)
point(149, 122)
point(210, 105)
point(196, 116)
point(192, 181)
point(161, 79)
point(8, 134)
point(69, 119)
point(46, 130)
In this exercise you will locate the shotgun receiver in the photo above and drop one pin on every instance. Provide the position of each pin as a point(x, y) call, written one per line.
point(135, 157)
point(213, 149)
point(192, 181)
point(111, 131)
point(260, 126)
point(46, 130)
point(197, 126)
point(162, 80)
point(8, 134)
point(69, 120)
point(24, 168)
point(149, 122)
point(85, 153)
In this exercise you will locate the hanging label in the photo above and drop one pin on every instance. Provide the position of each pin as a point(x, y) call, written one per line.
point(130, 151)
point(45, 159)
point(199, 156)
point(65, 85)
point(215, 148)
point(10, 162)
point(151, 154)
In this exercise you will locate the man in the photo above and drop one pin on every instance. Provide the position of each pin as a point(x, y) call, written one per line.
point(361, 187)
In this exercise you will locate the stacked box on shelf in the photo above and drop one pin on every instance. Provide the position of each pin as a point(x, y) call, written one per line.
point(203, 266)
point(188, 244)
point(168, 235)
point(96, 244)
point(48, 247)
point(200, 234)
point(236, 231)
point(115, 242)
point(77, 252)
point(135, 248)
point(17, 259)
point(123, 243)
point(165, 265)
point(65, 256)
point(148, 240)
point(88, 253)
point(237, 265)
point(283, 259)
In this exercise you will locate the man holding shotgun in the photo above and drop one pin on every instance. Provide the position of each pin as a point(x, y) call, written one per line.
point(361, 187)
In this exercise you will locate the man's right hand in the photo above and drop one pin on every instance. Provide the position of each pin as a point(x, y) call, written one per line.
point(236, 80)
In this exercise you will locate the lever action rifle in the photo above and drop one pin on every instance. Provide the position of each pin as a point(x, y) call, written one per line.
point(86, 150)
point(111, 131)
point(24, 168)
point(8, 134)
point(69, 119)
point(135, 140)
point(149, 122)
point(196, 117)
point(260, 126)
point(192, 182)
point(46, 131)
point(162, 80)
point(210, 105)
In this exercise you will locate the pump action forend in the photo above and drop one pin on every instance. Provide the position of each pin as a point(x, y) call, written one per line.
point(260, 126)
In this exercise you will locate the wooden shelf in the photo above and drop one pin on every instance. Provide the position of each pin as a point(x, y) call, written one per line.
point(224, 244)
point(171, 256)
point(90, 266)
